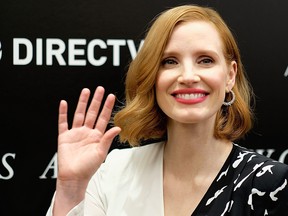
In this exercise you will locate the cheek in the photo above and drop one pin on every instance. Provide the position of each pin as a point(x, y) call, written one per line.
point(162, 82)
point(220, 83)
point(217, 83)
point(159, 89)
point(218, 78)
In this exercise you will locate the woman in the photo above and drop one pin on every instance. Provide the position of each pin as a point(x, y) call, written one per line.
point(186, 88)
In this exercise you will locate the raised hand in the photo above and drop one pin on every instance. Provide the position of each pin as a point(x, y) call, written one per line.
point(83, 147)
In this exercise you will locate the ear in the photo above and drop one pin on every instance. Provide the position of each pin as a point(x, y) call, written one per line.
point(231, 75)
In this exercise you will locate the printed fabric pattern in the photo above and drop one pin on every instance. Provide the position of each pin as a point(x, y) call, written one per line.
point(249, 184)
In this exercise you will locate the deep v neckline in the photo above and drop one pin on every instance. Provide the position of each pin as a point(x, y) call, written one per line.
point(210, 191)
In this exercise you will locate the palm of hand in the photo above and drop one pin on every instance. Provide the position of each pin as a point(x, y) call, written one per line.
point(83, 148)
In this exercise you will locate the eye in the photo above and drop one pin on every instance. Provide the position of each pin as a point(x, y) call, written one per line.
point(206, 60)
point(169, 61)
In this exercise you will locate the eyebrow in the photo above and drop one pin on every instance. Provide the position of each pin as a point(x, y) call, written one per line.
point(198, 52)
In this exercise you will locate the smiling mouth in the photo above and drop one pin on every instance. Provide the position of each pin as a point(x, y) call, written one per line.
point(189, 96)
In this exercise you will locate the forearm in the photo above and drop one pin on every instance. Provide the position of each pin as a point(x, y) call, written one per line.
point(68, 195)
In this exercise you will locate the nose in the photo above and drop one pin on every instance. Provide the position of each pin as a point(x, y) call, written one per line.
point(188, 75)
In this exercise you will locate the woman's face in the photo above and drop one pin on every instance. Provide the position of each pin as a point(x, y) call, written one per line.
point(193, 76)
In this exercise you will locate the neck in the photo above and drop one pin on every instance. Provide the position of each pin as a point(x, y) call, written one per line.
point(192, 150)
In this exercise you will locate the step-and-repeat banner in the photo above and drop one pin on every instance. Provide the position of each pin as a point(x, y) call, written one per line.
point(50, 50)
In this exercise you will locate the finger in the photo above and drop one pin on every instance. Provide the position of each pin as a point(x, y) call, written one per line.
point(80, 111)
point(105, 114)
point(94, 107)
point(108, 137)
point(62, 118)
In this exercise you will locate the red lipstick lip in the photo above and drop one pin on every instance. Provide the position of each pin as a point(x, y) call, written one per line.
point(189, 91)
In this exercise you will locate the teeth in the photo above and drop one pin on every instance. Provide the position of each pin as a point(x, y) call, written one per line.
point(190, 96)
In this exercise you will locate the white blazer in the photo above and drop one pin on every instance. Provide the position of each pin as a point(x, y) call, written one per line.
point(128, 183)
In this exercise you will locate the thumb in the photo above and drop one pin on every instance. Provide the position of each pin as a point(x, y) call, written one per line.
point(108, 137)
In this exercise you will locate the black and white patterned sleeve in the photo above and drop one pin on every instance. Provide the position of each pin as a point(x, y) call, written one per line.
point(269, 193)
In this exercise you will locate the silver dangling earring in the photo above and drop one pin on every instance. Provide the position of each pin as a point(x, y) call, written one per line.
point(229, 103)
